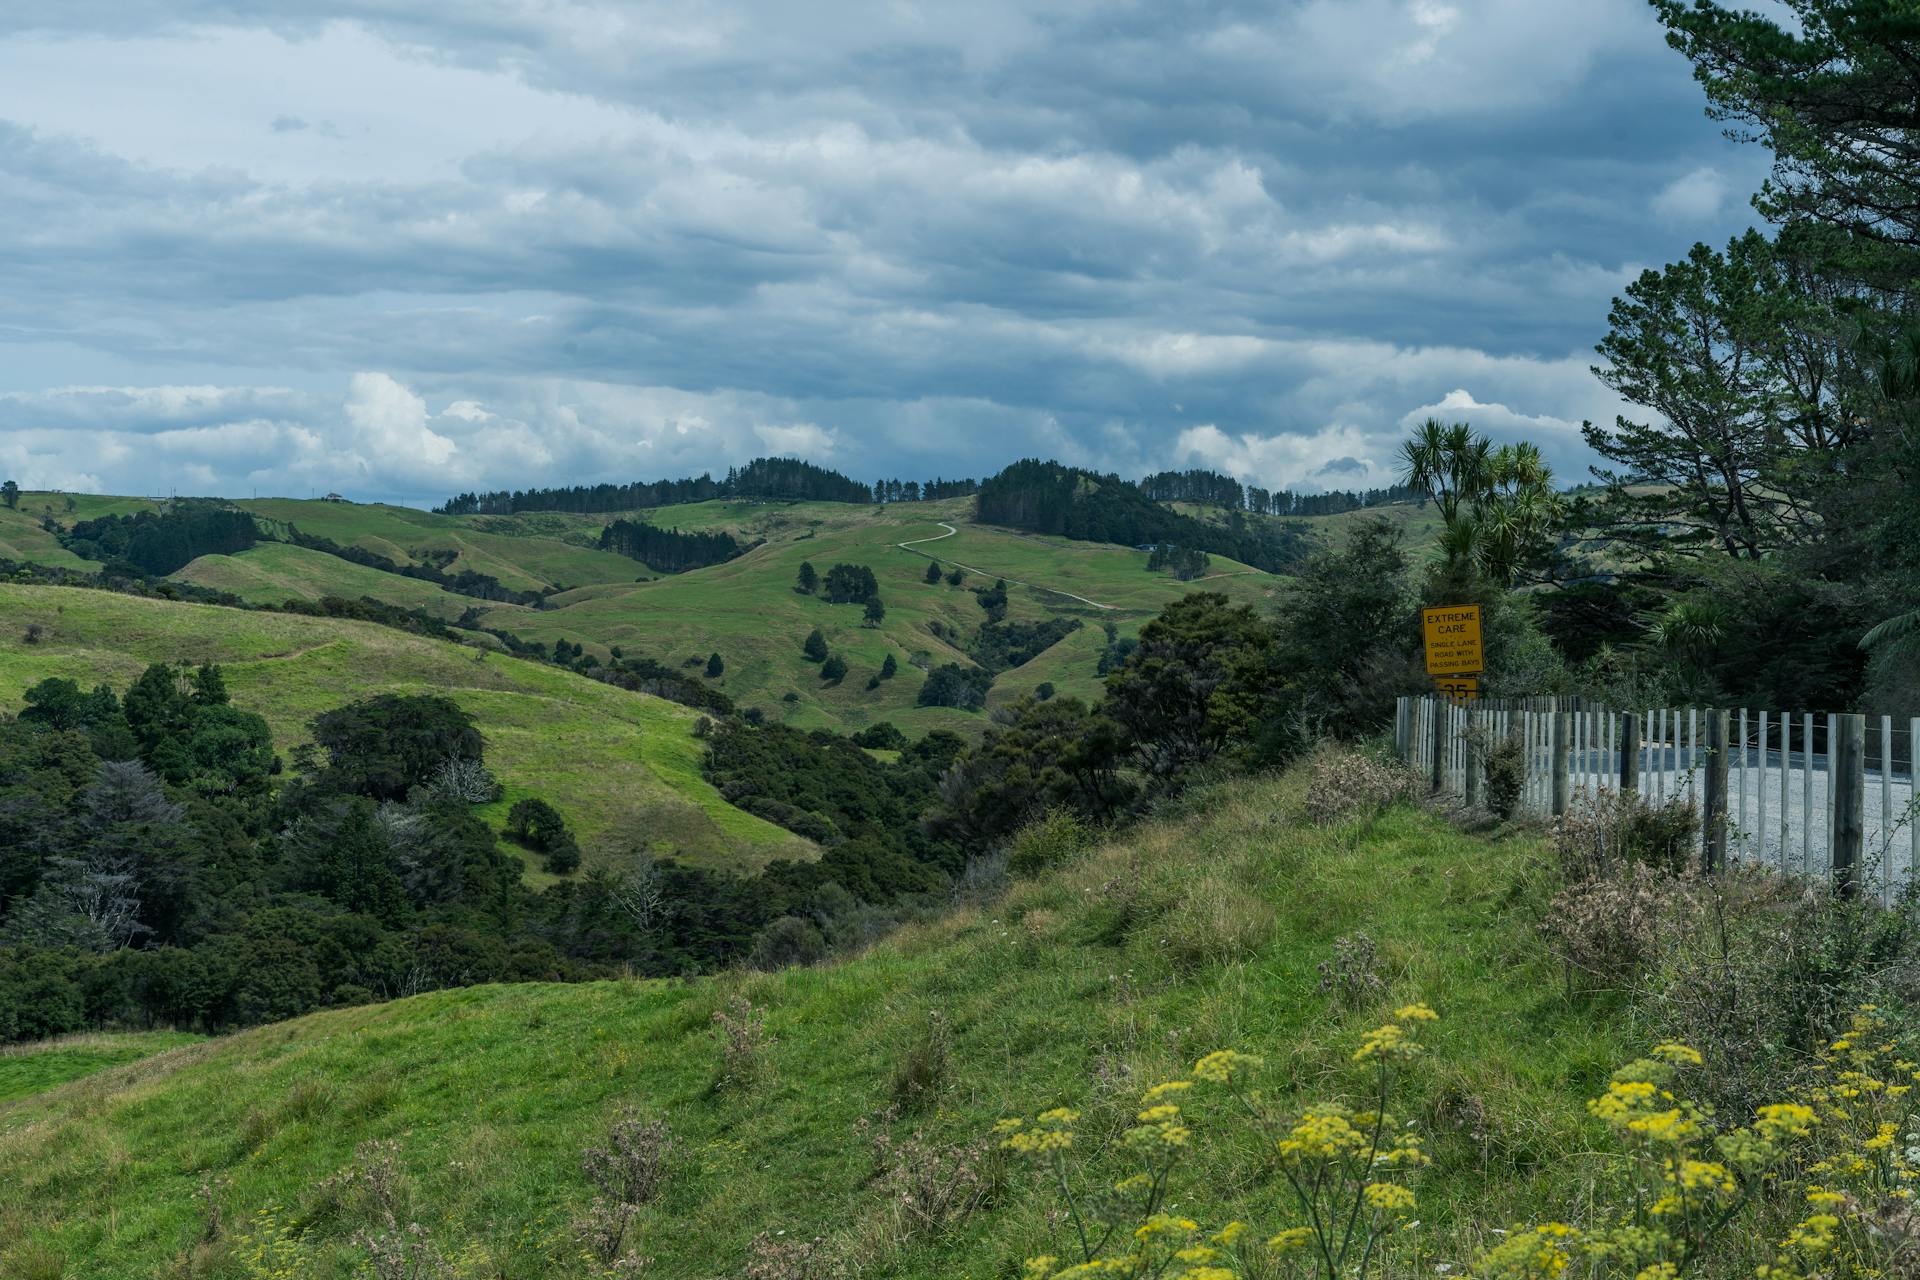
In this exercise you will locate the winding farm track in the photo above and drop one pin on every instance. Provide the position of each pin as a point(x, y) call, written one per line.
point(950, 531)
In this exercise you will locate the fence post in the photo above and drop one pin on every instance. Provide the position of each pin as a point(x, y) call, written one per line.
point(1849, 798)
point(1439, 778)
point(1473, 769)
point(1629, 751)
point(1715, 829)
point(1402, 740)
point(1562, 758)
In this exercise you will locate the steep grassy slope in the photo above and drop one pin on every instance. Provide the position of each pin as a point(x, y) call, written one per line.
point(1077, 990)
point(623, 768)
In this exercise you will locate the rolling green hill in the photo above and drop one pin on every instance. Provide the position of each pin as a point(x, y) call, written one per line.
point(746, 610)
point(232, 1158)
point(623, 767)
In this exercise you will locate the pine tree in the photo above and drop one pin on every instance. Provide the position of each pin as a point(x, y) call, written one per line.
point(876, 612)
point(933, 572)
point(808, 578)
point(716, 666)
point(888, 667)
point(816, 646)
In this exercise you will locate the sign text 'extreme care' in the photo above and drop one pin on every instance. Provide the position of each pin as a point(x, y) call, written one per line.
point(1452, 633)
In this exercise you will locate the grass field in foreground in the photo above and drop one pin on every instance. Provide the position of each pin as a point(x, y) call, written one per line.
point(623, 768)
point(1078, 990)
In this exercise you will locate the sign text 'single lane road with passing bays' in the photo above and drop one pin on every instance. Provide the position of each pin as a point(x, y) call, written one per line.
point(1452, 633)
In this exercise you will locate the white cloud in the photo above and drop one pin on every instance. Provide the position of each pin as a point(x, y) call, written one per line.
point(1692, 198)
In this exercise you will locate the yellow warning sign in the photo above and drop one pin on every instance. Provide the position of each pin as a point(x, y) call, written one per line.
point(1452, 633)
point(1459, 690)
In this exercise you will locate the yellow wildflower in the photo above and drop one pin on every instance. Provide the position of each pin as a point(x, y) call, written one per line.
point(1415, 1013)
point(1163, 1090)
point(1679, 1054)
point(1388, 1197)
point(1222, 1065)
point(1290, 1239)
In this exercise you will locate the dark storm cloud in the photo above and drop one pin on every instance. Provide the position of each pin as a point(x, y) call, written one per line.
point(505, 242)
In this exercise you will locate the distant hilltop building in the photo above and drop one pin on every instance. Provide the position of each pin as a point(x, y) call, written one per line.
point(332, 497)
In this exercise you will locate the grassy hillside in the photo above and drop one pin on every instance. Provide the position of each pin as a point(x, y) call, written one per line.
point(276, 572)
point(745, 610)
point(624, 768)
point(1079, 989)
point(35, 1068)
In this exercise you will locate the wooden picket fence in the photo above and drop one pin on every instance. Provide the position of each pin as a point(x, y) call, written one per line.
point(1827, 795)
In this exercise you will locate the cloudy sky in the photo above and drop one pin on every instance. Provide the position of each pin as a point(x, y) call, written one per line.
point(402, 248)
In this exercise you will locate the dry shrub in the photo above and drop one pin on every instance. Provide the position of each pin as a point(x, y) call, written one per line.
point(772, 1257)
point(1343, 783)
point(744, 1044)
point(1351, 976)
point(933, 1189)
point(1612, 929)
point(628, 1172)
point(632, 1167)
point(1602, 833)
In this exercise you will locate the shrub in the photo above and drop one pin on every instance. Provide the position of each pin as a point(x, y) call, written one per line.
point(1613, 928)
point(815, 646)
point(1351, 976)
point(1602, 833)
point(1056, 838)
point(787, 942)
point(1504, 767)
point(834, 669)
point(1343, 783)
point(562, 854)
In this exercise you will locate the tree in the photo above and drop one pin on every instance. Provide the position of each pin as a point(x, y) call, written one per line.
point(716, 665)
point(1496, 506)
point(815, 647)
point(834, 670)
point(850, 584)
point(209, 686)
point(933, 572)
point(808, 580)
point(888, 667)
point(876, 612)
point(1690, 343)
point(386, 745)
point(1204, 673)
point(1832, 93)
point(10, 494)
point(956, 576)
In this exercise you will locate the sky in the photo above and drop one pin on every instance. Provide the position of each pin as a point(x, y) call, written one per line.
point(408, 248)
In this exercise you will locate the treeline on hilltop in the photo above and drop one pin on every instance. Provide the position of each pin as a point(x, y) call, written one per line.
point(1052, 498)
point(787, 479)
point(153, 544)
point(1215, 489)
point(157, 543)
point(668, 550)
